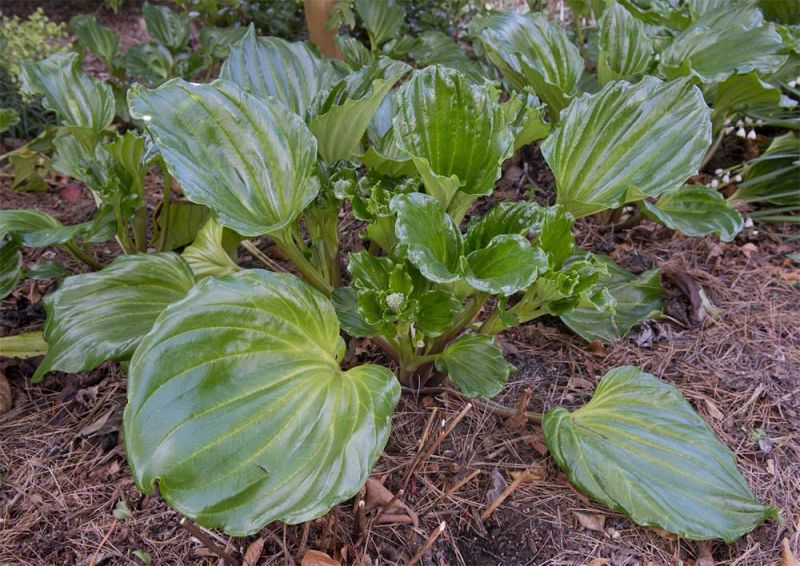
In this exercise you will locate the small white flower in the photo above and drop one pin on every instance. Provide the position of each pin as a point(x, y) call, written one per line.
point(714, 184)
point(741, 133)
point(728, 131)
point(759, 122)
point(147, 118)
point(748, 120)
point(727, 121)
point(726, 179)
point(739, 123)
point(748, 223)
point(718, 172)
point(657, 57)
point(751, 135)
point(419, 343)
point(395, 301)
point(737, 179)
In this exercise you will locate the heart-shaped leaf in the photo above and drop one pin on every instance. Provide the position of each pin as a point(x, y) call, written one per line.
point(697, 210)
point(270, 66)
point(94, 317)
point(237, 406)
point(246, 158)
point(531, 51)
point(626, 51)
point(627, 142)
point(476, 364)
point(100, 40)
point(509, 263)
point(75, 97)
point(638, 447)
point(454, 132)
point(636, 299)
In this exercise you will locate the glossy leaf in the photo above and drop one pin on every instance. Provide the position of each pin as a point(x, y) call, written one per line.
point(437, 48)
point(270, 66)
point(436, 312)
point(627, 142)
point(345, 302)
point(10, 266)
point(432, 237)
point(529, 50)
point(509, 263)
point(237, 406)
point(183, 221)
point(476, 364)
point(255, 164)
point(738, 93)
point(455, 133)
point(23, 346)
point(772, 177)
point(638, 447)
point(724, 42)
point(75, 97)
point(626, 51)
point(555, 236)
point(8, 119)
point(635, 299)
point(100, 40)
point(166, 25)
point(213, 251)
point(382, 20)
point(343, 112)
point(697, 210)
point(36, 229)
point(526, 117)
point(94, 317)
point(149, 62)
point(519, 217)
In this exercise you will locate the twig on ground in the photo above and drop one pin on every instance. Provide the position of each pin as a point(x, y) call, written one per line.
point(200, 535)
point(428, 543)
point(102, 543)
point(490, 406)
point(520, 479)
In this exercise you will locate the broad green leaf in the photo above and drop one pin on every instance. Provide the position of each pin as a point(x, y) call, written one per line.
point(150, 62)
point(697, 210)
point(218, 41)
point(370, 271)
point(555, 236)
point(345, 302)
point(183, 220)
point(772, 177)
point(529, 50)
point(454, 131)
point(738, 93)
point(724, 42)
point(437, 48)
point(343, 112)
point(626, 51)
point(387, 159)
point(36, 229)
point(526, 116)
point(213, 251)
point(47, 270)
point(509, 263)
point(383, 20)
point(23, 346)
point(167, 26)
point(780, 11)
point(356, 54)
point(627, 142)
point(94, 317)
point(436, 311)
point(75, 97)
point(238, 408)
point(246, 158)
point(476, 364)
point(10, 266)
point(636, 299)
point(8, 119)
point(100, 40)
point(432, 237)
point(639, 447)
point(519, 217)
point(270, 66)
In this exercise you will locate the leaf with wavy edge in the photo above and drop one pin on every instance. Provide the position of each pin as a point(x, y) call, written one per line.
point(94, 317)
point(476, 364)
point(639, 447)
point(248, 159)
point(509, 263)
point(626, 51)
point(66, 89)
point(697, 210)
point(169, 27)
point(238, 408)
point(454, 132)
point(529, 50)
point(270, 66)
point(627, 142)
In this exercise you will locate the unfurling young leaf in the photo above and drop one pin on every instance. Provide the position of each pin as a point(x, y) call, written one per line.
point(94, 317)
point(213, 251)
point(476, 364)
point(237, 406)
point(626, 52)
point(626, 143)
point(638, 447)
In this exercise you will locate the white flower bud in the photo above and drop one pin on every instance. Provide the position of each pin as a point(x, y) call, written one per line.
point(726, 179)
point(748, 223)
point(728, 131)
point(737, 179)
point(395, 301)
point(718, 172)
point(792, 84)
point(419, 343)
point(748, 120)
point(727, 121)
point(714, 184)
point(759, 122)
point(739, 123)
point(657, 57)
point(751, 135)
point(741, 133)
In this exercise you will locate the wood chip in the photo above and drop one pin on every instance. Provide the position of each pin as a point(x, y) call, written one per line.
point(317, 558)
point(591, 521)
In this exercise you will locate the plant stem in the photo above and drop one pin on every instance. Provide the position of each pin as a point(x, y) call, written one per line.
point(462, 319)
point(72, 249)
point(712, 150)
point(166, 202)
point(287, 245)
point(260, 256)
point(491, 406)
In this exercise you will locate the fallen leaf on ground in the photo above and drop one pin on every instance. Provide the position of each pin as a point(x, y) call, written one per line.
point(536, 441)
point(532, 475)
point(253, 552)
point(92, 428)
point(713, 410)
point(591, 521)
point(787, 558)
point(379, 496)
point(748, 249)
point(317, 558)
point(597, 562)
point(6, 401)
point(499, 485)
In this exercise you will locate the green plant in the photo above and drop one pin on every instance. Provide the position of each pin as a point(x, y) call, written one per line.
point(237, 404)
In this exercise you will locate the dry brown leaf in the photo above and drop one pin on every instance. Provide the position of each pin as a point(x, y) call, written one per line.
point(787, 557)
point(317, 558)
point(6, 400)
point(596, 347)
point(531, 474)
point(713, 410)
point(92, 428)
point(591, 521)
point(253, 552)
point(597, 562)
point(536, 441)
point(499, 485)
point(378, 496)
point(748, 249)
